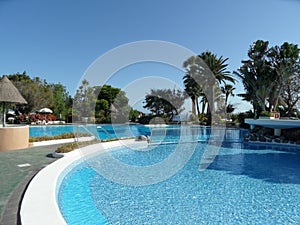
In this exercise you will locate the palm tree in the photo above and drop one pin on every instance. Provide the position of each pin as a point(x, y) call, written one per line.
point(204, 73)
point(193, 90)
point(227, 89)
point(218, 68)
point(191, 81)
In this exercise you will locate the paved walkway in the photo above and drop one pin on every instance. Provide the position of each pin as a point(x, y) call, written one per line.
point(17, 168)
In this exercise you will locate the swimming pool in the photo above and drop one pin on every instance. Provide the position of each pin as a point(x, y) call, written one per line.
point(245, 184)
point(167, 133)
point(104, 132)
point(53, 130)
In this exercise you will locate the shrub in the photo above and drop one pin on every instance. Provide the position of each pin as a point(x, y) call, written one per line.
point(202, 118)
point(265, 113)
point(75, 145)
point(57, 137)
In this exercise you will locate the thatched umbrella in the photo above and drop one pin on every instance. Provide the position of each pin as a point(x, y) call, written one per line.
point(9, 94)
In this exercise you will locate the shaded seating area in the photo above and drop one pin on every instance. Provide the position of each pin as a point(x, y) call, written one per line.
point(11, 137)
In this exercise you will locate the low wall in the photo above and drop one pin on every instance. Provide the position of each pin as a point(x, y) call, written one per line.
point(13, 138)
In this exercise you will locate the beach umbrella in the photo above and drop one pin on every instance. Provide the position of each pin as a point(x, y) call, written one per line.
point(45, 110)
point(9, 94)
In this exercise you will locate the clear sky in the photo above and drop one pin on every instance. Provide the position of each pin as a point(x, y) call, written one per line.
point(58, 40)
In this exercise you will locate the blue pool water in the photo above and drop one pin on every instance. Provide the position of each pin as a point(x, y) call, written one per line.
point(53, 130)
point(104, 131)
point(158, 134)
point(245, 184)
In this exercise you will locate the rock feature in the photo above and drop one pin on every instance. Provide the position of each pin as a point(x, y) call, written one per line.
point(262, 134)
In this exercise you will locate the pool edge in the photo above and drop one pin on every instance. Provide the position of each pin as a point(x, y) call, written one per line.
point(40, 200)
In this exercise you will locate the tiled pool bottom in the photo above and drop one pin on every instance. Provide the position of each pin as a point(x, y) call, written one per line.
point(242, 186)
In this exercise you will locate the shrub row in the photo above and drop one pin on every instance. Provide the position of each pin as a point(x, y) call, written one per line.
point(56, 137)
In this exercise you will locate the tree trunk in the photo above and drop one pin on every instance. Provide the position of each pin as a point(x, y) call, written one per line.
point(193, 106)
point(226, 99)
point(210, 107)
point(198, 110)
point(3, 114)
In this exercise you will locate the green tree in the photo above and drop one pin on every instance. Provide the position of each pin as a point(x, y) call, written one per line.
point(165, 103)
point(256, 75)
point(84, 101)
point(199, 82)
point(204, 73)
point(107, 92)
point(291, 96)
point(285, 62)
point(102, 111)
point(37, 92)
point(227, 89)
point(61, 98)
point(193, 90)
point(112, 103)
point(267, 71)
point(134, 114)
point(218, 66)
point(121, 114)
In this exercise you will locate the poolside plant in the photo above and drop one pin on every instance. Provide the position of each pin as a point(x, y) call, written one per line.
point(76, 145)
point(265, 113)
point(57, 137)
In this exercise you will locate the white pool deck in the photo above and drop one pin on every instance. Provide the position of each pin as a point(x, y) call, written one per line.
point(39, 205)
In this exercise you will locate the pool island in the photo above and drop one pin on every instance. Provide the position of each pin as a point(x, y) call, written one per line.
point(276, 124)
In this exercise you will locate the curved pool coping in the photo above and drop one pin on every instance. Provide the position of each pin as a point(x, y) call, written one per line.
point(39, 204)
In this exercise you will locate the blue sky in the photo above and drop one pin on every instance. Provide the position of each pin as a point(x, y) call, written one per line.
point(58, 40)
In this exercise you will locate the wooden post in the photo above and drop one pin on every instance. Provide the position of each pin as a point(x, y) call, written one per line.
point(3, 114)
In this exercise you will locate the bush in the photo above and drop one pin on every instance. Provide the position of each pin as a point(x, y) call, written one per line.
point(241, 118)
point(57, 137)
point(74, 145)
point(202, 119)
point(265, 113)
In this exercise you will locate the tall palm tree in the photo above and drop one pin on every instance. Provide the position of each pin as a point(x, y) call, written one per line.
point(218, 68)
point(204, 73)
point(191, 81)
point(193, 90)
point(227, 89)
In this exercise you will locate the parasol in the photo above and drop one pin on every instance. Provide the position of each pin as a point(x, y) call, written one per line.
point(45, 110)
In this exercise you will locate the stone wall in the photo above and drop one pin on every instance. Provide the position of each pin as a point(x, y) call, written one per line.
point(262, 134)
